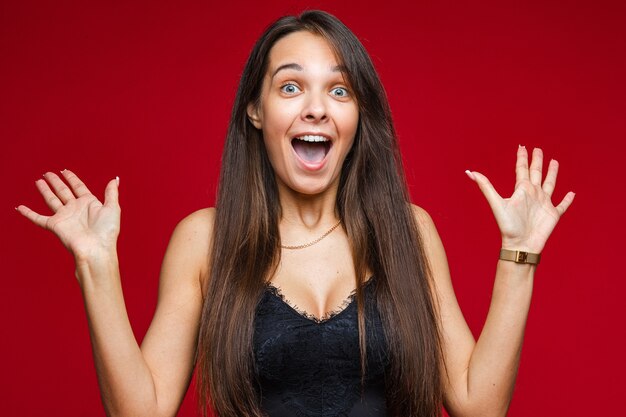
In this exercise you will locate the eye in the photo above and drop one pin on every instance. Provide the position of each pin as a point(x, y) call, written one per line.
point(290, 89)
point(339, 92)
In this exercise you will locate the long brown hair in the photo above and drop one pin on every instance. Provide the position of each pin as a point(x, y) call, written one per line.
point(374, 204)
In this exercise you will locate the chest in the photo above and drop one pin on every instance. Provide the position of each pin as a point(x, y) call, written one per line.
point(317, 279)
point(286, 338)
point(312, 364)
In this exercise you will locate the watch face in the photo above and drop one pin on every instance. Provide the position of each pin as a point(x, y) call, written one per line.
point(521, 257)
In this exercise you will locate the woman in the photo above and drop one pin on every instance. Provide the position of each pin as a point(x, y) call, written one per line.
point(314, 287)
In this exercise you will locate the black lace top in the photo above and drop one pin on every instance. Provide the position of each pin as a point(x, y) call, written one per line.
point(311, 367)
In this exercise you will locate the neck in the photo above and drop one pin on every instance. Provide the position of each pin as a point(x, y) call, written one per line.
point(308, 211)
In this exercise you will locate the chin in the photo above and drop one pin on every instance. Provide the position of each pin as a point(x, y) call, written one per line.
point(311, 190)
point(310, 186)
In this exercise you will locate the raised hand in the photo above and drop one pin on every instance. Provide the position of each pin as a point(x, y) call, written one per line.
point(527, 218)
point(85, 226)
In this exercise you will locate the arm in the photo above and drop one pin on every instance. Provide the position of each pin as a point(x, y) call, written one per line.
point(481, 374)
point(150, 380)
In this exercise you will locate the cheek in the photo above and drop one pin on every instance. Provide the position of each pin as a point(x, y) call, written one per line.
point(350, 122)
point(277, 118)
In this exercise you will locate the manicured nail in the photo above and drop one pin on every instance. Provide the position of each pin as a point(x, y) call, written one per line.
point(470, 174)
point(118, 180)
point(522, 146)
point(15, 208)
point(63, 170)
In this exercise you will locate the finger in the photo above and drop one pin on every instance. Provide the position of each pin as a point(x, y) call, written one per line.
point(521, 165)
point(490, 193)
point(111, 193)
point(77, 186)
point(565, 203)
point(536, 166)
point(36, 218)
point(62, 191)
point(49, 197)
point(550, 182)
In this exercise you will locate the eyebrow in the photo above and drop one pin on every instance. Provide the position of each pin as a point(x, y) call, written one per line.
point(298, 67)
point(292, 66)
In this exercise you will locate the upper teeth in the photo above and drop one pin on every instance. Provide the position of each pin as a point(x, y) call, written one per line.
point(312, 138)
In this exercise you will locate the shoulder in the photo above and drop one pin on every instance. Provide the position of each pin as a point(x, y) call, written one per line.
point(424, 222)
point(190, 242)
point(433, 246)
point(194, 231)
point(197, 224)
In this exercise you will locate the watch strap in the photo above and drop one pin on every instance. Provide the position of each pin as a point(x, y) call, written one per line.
point(519, 256)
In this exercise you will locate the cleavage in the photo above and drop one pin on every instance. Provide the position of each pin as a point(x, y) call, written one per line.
point(328, 315)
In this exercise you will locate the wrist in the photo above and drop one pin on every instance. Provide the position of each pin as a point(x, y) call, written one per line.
point(520, 257)
point(521, 245)
point(96, 265)
point(95, 256)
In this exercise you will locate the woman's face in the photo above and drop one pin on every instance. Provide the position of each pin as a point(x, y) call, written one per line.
point(307, 113)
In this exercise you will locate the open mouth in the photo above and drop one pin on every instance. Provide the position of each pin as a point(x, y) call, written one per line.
point(311, 148)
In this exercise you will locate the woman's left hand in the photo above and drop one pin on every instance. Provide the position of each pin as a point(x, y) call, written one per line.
point(527, 218)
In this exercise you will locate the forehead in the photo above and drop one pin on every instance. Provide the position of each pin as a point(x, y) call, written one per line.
point(303, 48)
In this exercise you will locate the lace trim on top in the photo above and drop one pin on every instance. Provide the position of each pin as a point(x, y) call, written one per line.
point(327, 316)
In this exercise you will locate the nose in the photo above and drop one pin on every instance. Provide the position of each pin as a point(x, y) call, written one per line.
point(314, 109)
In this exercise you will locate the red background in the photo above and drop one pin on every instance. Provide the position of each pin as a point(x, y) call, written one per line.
point(143, 90)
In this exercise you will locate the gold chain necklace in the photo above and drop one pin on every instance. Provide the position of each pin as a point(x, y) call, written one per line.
point(306, 245)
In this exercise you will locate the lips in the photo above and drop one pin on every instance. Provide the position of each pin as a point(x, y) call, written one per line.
point(311, 149)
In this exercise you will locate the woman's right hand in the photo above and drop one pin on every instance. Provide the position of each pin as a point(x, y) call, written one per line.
point(85, 226)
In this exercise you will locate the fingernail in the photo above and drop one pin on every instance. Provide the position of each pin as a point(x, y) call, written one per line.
point(63, 170)
point(470, 174)
point(15, 208)
point(118, 180)
point(522, 146)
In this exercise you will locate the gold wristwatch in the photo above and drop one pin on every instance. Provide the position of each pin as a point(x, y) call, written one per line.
point(519, 256)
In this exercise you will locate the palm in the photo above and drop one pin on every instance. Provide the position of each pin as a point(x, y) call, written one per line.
point(82, 223)
point(528, 217)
